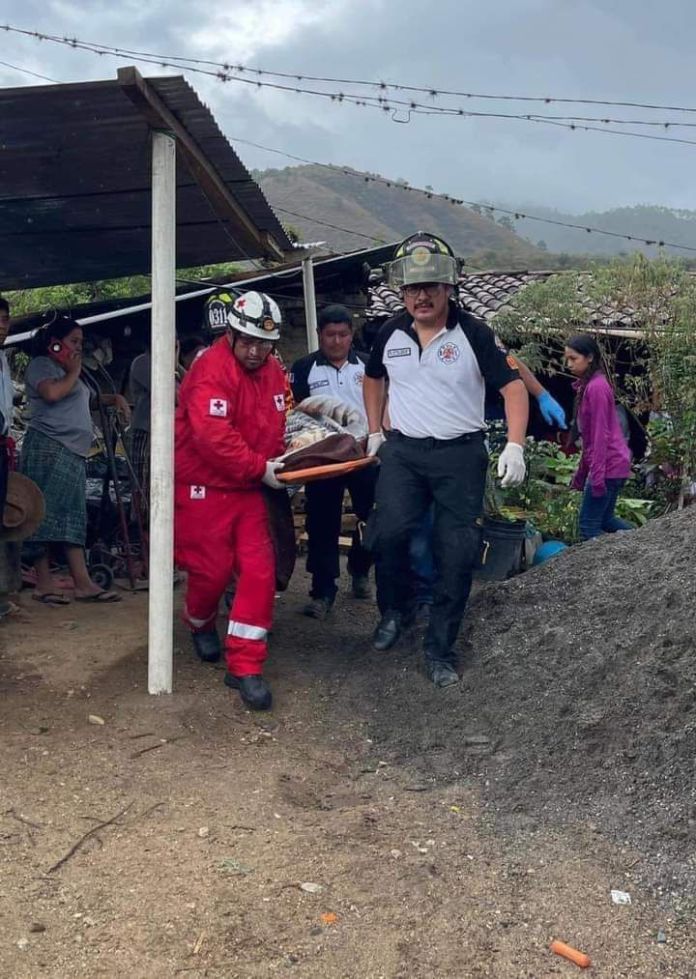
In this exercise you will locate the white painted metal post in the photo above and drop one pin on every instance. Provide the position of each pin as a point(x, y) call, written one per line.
point(310, 303)
point(163, 347)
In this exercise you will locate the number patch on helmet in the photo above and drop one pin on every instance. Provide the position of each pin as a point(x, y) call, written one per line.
point(217, 314)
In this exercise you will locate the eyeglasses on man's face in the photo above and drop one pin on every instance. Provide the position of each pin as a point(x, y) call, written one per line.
point(248, 342)
point(429, 288)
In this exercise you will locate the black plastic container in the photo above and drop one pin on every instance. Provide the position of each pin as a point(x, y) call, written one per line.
point(503, 548)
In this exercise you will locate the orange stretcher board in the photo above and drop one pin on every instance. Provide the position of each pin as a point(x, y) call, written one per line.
point(325, 472)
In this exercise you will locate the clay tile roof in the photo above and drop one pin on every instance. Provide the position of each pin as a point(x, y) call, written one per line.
point(482, 293)
point(485, 293)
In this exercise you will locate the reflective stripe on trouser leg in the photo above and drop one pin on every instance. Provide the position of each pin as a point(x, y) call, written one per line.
point(245, 631)
point(252, 608)
point(198, 624)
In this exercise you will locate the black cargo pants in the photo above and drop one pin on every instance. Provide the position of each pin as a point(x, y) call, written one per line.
point(324, 510)
point(413, 474)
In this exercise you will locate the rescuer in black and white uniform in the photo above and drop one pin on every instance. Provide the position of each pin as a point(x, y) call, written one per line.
point(336, 370)
point(438, 360)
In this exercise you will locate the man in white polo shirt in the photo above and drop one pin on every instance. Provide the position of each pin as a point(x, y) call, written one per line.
point(336, 370)
point(438, 360)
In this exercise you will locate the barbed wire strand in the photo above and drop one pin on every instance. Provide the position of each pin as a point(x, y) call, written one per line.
point(382, 85)
point(388, 105)
point(492, 208)
point(383, 104)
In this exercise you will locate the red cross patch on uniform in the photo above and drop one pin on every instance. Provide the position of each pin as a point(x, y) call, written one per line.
point(198, 492)
point(218, 408)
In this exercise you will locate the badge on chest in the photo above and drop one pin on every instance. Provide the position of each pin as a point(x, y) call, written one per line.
point(448, 353)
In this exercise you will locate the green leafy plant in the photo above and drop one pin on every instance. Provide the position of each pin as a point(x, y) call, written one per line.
point(545, 498)
point(636, 511)
point(659, 476)
point(644, 314)
point(67, 297)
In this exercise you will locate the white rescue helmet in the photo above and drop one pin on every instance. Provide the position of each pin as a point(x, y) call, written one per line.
point(255, 315)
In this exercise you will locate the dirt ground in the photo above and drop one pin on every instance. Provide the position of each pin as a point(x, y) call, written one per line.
point(450, 833)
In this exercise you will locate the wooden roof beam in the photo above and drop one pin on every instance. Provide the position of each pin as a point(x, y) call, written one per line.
point(225, 205)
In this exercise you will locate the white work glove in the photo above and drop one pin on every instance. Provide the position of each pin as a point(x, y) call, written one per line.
point(511, 467)
point(269, 477)
point(375, 441)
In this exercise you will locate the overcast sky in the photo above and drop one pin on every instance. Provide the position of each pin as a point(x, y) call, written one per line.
point(600, 49)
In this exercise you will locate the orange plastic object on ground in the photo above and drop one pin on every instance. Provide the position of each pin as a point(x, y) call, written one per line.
point(325, 472)
point(572, 954)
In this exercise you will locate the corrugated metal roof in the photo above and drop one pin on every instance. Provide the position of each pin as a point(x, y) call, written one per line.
point(329, 273)
point(75, 186)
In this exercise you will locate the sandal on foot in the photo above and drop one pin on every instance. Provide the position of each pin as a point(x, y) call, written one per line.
point(100, 598)
point(52, 598)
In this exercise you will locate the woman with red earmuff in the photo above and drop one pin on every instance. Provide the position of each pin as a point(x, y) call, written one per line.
point(55, 447)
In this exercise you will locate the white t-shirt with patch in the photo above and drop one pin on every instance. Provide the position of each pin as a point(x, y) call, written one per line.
point(439, 391)
point(315, 375)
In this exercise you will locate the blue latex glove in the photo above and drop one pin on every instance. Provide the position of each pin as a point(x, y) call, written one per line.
point(551, 411)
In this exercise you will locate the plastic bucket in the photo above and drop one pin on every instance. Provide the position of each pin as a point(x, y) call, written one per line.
point(548, 550)
point(503, 548)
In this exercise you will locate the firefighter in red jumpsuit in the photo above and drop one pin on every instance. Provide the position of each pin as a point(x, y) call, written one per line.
point(230, 423)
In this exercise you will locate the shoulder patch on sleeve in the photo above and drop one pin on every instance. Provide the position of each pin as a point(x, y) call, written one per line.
point(218, 408)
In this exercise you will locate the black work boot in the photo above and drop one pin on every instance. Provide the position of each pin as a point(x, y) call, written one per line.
point(207, 645)
point(388, 630)
point(441, 672)
point(253, 690)
point(317, 608)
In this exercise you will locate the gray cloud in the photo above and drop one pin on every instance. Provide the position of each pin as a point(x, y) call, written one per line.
point(613, 49)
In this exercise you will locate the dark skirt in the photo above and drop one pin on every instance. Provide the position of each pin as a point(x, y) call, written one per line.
point(62, 478)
